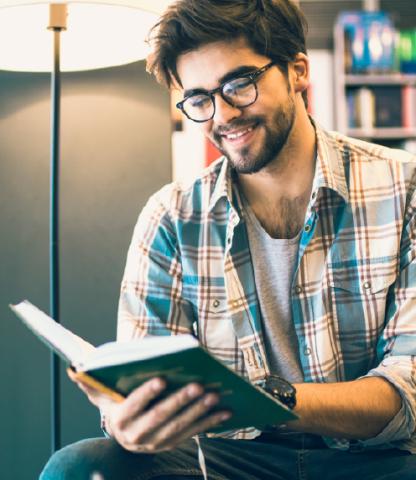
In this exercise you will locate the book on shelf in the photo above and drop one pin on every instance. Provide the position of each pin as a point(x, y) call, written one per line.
point(369, 41)
point(365, 102)
point(351, 109)
point(409, 106)
point(381, 107)
point(117, 368)
point(406, 51)
point(361, 108)
point(388, 106)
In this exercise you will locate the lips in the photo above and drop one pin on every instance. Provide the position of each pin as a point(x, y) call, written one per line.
point(238, 135)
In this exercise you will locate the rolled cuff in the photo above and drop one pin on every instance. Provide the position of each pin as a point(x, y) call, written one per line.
point(400, 431)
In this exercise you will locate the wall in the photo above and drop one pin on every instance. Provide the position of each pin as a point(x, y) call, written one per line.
point(322, 87)
point(115, 153)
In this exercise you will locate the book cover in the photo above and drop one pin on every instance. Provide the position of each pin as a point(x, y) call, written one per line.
point(388, 106)
point(122, 367)
point(406, 51)
point(365, 108)
point(369, 41)
point(409, 106)
point(352, 108)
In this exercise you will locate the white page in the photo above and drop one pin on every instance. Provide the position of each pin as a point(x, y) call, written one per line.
point(66, 344)
point(117, 353)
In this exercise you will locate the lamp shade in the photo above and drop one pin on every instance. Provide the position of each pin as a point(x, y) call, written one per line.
point(99, 33)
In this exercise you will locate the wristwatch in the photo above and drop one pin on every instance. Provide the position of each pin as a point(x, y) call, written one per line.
point(281, 389)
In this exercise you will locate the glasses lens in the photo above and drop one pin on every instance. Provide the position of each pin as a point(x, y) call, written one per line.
point(199, 107)
point(240, 92)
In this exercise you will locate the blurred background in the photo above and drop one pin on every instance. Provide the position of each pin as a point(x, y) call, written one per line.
point(120, 142)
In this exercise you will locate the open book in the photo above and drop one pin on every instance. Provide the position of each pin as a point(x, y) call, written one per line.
point(116, 368)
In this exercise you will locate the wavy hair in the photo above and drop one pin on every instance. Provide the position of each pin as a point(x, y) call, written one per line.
point(273, 28)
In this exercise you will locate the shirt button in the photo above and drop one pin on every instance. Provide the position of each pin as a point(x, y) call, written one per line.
point(313, 195)
point(307, 228)
point(298, 289)
point(307, 351)
point(216, 303)
point(367, 285)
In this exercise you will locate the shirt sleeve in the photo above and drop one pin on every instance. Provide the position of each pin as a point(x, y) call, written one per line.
point(397, 345)
point(151, 301)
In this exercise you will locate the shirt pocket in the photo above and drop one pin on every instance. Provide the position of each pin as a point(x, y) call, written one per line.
point(358, 305)
point(356, 284)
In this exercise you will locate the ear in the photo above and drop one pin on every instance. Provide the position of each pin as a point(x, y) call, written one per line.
point(300, 73)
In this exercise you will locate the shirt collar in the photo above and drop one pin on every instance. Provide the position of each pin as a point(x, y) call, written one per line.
point(329, 173)
point(223, 185)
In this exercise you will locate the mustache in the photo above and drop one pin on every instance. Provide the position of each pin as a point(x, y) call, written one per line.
point(237, 124)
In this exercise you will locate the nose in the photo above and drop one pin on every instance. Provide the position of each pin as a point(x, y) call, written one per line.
point(224, 112)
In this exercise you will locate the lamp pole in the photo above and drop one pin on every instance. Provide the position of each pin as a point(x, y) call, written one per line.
point(57, 23)
point(121, 23)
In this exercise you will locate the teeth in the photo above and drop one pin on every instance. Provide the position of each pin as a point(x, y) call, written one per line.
point(233, 136)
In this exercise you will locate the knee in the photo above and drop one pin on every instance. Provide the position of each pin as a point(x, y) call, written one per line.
point(78, 461)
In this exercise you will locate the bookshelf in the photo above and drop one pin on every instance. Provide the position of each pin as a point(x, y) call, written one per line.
point(376, 106)
point(392, 133)
point(393, 78)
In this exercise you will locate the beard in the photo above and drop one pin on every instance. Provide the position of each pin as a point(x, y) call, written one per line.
point(277, 131)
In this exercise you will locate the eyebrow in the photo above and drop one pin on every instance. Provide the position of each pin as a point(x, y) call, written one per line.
point(242, 70)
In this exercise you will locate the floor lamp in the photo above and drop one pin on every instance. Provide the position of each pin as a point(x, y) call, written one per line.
point(94, 34)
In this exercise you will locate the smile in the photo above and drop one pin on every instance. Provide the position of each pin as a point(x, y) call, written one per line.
point(234, 135)
point(240, 137)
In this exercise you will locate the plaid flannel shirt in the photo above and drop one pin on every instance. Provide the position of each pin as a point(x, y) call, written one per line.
point(354, 289)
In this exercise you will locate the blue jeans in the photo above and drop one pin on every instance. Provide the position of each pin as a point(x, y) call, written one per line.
point(288, 457)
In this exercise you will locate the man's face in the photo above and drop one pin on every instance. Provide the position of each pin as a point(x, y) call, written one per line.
point(250, 137)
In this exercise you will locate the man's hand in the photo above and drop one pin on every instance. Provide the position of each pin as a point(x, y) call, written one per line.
point(165, 424)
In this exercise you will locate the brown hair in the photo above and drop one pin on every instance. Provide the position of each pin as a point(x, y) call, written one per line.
point(273, 28)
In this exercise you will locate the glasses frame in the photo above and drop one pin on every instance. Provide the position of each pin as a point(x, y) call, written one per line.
point(253, 76)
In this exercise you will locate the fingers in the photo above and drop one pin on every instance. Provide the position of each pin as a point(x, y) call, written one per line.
point(189, 422)
point(171, 421)
point(71, 374)
point(183, 420)
point(168, 408)
point(140, 398)
point(98, 394)
point(132, 409)
point(138, 425)
point(203, 425)
point(92, 394)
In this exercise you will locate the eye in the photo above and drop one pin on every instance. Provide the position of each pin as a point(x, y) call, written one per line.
point(238, 86)
point(199, 101)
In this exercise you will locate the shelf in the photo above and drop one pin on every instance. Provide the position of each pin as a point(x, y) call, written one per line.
point(383, 133)
point(372, 104)
point(380, 79)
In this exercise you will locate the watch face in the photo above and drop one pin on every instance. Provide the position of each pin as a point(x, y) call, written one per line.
point(281, 389)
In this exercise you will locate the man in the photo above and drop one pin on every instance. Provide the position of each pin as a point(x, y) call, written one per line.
point(292, 259)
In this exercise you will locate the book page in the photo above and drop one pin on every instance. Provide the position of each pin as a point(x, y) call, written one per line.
point(117, 353)
point(70, 347)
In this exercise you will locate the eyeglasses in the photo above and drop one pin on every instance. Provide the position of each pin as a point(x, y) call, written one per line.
point(239, 92)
